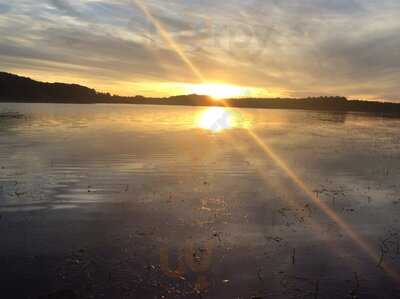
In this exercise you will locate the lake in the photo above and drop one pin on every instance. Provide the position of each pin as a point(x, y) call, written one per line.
point(131, 201)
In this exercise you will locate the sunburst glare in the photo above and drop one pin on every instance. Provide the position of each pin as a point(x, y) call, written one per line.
point(218, 119)
point(215, 119)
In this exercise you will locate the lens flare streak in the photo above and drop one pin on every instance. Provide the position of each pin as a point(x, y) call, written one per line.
point(169, 39)
point(279, 162)
point(323, 207)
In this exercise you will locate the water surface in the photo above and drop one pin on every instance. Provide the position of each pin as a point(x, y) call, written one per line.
point(130, 201)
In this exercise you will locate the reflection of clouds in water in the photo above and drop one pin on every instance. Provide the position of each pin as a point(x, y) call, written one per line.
point(190, 183)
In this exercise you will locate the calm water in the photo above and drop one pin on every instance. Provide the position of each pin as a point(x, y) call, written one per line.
point(125, 201)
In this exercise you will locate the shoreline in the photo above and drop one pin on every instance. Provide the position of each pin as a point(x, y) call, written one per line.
point(18, 89)
point(387, 110)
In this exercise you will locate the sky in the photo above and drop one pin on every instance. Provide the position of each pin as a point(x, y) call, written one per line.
point(160, 48)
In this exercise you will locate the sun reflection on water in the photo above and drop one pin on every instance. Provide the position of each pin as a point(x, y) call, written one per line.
point(218, 119)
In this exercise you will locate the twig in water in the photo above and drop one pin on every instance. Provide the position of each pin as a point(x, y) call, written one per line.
point(357, 281)
point(294, 256)
point(316, 294)
point(259, 275)
point(381, 257)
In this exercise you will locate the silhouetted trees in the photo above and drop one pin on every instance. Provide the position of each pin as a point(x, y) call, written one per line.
point(19, 89)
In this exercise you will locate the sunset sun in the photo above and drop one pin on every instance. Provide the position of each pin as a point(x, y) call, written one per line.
point(218, 91)
point(200, 149)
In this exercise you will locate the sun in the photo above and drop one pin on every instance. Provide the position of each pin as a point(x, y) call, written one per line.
point(218, 91)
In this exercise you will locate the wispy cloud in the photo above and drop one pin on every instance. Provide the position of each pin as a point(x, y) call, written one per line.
point(348, 47)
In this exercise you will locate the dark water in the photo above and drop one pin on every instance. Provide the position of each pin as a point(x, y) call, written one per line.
point(119, 201)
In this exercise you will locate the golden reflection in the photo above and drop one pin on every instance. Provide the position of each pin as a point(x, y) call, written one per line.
point(216, 119)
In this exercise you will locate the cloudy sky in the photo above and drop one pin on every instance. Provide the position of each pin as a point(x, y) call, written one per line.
point(159, 47)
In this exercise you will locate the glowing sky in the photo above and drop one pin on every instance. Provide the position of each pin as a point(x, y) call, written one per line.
point(269, 47)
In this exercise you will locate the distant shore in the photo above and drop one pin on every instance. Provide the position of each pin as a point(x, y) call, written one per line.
point(18, 89)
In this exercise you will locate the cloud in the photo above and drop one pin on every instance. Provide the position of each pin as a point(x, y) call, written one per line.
point(64, 7)
point(4, 8)
point(346, 47)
